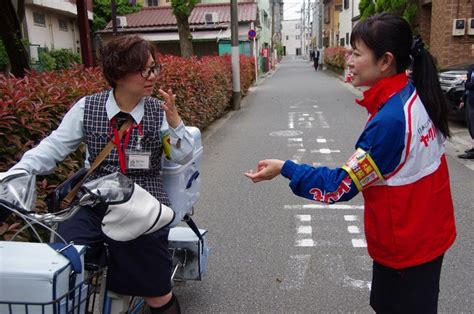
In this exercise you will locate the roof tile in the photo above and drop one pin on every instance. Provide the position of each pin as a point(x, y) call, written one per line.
point(163, 16)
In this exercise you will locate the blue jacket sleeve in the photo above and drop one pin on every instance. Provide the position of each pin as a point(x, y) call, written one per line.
point(320, 184)
point(383, 139)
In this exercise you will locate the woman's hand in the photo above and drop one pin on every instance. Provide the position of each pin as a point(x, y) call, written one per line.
point(172, 115)
point(266, 170)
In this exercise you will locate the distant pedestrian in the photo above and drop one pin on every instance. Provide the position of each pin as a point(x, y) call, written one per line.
point(316, 59)
point(468, 102)
point(399, 165)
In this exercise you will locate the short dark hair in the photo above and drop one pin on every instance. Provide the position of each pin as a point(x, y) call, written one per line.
point(123, 55)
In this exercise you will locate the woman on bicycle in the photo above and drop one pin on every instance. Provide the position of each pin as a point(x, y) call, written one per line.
point(141, 266)
point(399, 166)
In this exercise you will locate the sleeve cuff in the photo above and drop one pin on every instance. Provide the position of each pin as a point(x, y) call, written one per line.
point(178, 133)
point(288, 169)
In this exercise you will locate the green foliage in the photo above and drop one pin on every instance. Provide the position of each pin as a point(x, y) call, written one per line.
point(47, 62)
point(404, 8)
point(65, 58)
point(183, 7)
point(279, 49)
point(4, 61)
point(103, 12)
point(58, 59)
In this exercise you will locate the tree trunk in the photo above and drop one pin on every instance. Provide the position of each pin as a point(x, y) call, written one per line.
point(10, 32)
point(185, 37)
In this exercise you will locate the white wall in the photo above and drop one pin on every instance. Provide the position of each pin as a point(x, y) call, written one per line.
point(51, 35)
point(345, 20)
point(290, 31)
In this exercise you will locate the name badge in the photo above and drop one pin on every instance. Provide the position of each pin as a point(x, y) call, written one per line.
point(138, 159)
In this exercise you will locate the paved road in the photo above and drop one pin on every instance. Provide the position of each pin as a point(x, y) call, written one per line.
point(275, 252)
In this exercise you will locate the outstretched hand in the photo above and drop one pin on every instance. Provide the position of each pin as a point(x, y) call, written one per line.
point(266, 170)
point(172, 115)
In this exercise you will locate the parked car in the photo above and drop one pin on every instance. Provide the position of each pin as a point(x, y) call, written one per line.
point(452, 81)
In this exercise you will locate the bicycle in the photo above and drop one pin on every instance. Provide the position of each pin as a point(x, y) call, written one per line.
point(72, 286)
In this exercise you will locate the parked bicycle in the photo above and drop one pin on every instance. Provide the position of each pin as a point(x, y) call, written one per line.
point(52, 277)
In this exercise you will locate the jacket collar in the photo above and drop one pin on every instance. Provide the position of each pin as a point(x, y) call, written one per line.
point(376, 96)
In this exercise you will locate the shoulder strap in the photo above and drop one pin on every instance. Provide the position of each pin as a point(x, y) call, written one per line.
point(193, 226)
point(66, 202)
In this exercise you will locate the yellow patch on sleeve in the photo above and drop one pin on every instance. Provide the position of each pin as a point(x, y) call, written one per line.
point(166, 142)
point(362, 169)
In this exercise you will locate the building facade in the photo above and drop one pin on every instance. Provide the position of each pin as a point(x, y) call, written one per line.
point(448, 29)
point(348, 17)
point(291, 37)
point(52, 25)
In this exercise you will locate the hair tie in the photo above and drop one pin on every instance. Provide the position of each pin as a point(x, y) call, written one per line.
point(417, 47)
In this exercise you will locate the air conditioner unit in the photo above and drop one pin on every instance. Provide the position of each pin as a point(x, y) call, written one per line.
point(211, 17)
point(121, 21)
point(459, 27)
point(470, 26)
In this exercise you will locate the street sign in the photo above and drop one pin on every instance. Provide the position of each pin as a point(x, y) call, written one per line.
point(252, 34)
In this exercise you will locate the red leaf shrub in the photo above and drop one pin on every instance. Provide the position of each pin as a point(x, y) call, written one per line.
point(336, 56)
point(32, 106)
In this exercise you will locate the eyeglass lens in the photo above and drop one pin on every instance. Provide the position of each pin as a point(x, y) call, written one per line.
point(154, 69)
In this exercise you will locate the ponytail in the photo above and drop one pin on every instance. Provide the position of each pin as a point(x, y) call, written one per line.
point(425, 78)
point(386, 32)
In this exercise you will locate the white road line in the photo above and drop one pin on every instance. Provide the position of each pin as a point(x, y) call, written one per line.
point(295, 273)
point(359, 243)
point(351, 218)
point(303, 217)
point(324, 151)
point(295, 139)
point(321, 140)
point(304, 230)
point(322, 121)
point(295, 144)
point(325, 206)
point(353, 229)
point(355, 283)
point(299, 155)
point(305, 243)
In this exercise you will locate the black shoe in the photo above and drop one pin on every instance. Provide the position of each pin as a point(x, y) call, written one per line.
point(469, 150)
point(468, 155)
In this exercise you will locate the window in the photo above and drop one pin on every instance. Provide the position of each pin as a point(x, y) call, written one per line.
point(297, 37)
point(39, 19)
point(152, 3)
point(287, 37)
point(346, 4)
point(347, 38)
point(297, 26)
point(62, 25)
point(342, 42)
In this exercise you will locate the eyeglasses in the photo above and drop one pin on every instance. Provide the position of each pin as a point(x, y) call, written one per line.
point(148, 70)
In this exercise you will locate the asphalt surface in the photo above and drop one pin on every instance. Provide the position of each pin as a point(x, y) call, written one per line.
point(274, 252)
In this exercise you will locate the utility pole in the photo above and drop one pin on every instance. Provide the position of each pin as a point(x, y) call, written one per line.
point(113, 15)
point(302, 30)
point(235, 55)
point(272, 47)
point(84, 33)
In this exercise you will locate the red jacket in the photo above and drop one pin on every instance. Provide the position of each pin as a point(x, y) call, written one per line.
point(401, 169)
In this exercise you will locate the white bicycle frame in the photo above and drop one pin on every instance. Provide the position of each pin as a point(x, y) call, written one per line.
point(108, 301)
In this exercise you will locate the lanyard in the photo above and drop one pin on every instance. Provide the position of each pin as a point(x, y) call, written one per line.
point(118, 142)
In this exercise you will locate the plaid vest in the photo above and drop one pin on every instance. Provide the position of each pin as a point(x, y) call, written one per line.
point(98, 132)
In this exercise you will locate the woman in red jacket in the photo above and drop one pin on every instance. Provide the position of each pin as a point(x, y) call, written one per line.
point(399, 166)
